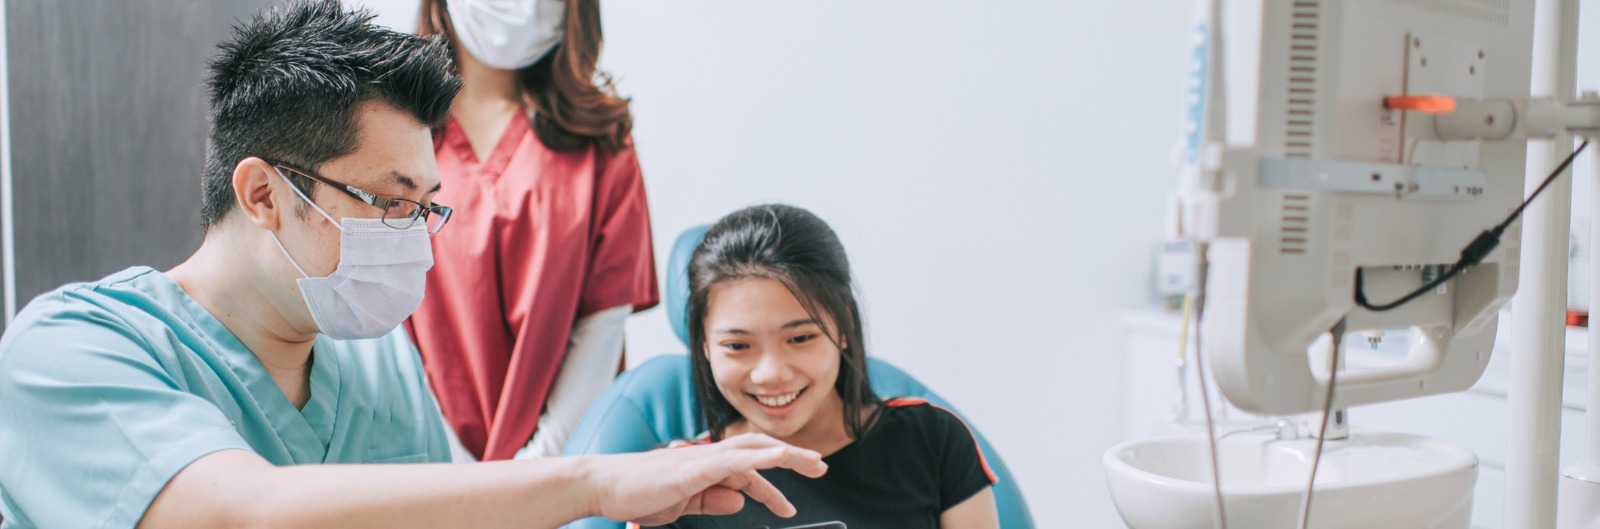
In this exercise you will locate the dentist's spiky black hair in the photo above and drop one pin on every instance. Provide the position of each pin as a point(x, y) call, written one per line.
point(286, 85)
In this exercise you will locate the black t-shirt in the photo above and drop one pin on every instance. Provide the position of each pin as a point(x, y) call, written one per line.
point(913, 463)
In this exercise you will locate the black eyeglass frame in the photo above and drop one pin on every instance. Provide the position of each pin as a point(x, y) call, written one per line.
point(378, 201)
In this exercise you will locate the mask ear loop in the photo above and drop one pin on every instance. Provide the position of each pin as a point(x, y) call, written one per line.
point(286, 254)
point(313, 206)
point(303, 196)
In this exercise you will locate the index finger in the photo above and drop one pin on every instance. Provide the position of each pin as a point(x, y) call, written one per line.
point(758, 488)
point(760, 452)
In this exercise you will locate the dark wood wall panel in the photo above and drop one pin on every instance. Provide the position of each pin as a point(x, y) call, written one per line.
point(108, 121)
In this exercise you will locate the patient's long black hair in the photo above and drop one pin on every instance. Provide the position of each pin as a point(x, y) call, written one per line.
point(791, 246)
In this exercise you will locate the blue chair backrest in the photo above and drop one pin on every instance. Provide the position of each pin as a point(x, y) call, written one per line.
point(654, 403)
point(678, 279)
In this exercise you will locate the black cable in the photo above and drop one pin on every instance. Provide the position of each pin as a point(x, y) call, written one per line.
point(1473, 254)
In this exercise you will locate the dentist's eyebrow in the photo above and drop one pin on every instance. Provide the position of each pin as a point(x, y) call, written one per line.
point(404, 180)
point(411, 184)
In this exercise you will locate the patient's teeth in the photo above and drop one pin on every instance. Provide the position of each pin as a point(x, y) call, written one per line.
point(778, 401)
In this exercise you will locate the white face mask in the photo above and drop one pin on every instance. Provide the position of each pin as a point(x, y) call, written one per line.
point(379, 282)
point(508, 34)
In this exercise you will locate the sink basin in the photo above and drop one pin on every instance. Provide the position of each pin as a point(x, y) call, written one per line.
point(1372, 479)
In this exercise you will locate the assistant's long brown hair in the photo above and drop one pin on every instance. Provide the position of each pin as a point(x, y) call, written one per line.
point(571, 104)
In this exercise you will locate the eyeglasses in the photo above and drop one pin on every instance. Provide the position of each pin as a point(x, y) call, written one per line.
point(398, 213)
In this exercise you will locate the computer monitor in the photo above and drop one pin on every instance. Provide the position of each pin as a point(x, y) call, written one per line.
point(1320, 180)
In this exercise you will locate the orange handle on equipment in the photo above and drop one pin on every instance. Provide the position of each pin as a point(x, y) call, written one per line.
point(1429, 104)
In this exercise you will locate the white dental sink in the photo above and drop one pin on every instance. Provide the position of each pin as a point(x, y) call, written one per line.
point(1372, 479)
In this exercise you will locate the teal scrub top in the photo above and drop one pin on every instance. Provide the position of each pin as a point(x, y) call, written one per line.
point(108, 389)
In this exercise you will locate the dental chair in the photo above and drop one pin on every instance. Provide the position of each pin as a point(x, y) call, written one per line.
point(654, 402)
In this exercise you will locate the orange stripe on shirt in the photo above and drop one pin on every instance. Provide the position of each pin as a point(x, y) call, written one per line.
point(900, 402)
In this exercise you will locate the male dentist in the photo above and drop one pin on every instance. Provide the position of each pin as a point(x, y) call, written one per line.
point(243, 387)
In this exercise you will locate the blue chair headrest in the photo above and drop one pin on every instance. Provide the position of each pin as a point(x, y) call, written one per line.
point(678, 279)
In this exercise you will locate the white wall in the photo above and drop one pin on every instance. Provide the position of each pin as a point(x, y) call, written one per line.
point(994, 168)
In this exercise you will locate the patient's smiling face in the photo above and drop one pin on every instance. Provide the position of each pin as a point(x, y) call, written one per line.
point(774, 363)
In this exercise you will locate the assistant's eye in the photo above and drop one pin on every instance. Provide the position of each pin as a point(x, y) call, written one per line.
point(804, 338)
point(735, 346)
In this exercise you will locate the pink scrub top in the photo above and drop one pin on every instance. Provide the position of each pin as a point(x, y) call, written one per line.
point(539, 238)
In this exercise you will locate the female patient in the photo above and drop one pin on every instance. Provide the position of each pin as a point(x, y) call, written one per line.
point(780, 351)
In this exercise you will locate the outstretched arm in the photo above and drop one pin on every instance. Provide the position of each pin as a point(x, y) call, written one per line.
point(236, 488)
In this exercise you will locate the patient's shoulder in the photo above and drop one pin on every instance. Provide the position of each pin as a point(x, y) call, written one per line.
point(907, 402)
point(919, 408)
point(918, 414)
point(947, 436)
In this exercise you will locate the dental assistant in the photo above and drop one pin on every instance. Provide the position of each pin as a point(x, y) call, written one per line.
point(522, 326)
point(253, 385)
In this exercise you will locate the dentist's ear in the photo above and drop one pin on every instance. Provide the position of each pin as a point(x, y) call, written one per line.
point(253, 181)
